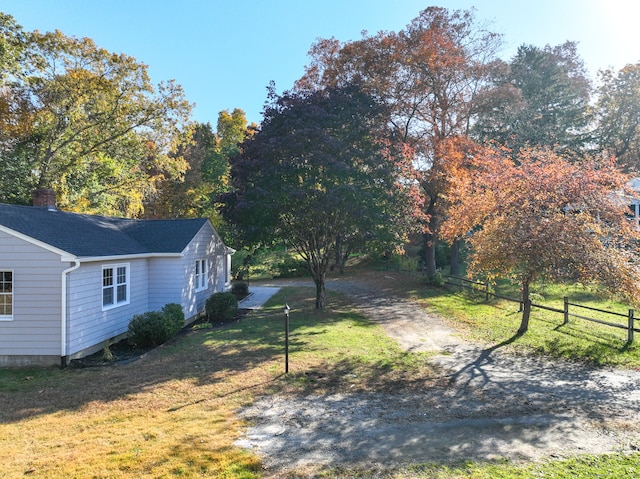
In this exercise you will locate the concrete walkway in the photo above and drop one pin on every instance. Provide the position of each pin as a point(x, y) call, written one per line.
point(258, 295)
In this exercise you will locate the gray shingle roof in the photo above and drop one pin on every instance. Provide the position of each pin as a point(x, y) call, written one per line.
point(87, 235)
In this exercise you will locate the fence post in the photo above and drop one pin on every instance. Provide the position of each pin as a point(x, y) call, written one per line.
point(630, 330)
point(486, 291)
point(566, 310)
point(521, 302)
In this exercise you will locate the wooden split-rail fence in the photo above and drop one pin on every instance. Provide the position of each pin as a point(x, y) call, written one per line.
point(569, 310)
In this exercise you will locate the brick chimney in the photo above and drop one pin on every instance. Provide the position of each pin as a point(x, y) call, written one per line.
point(44, 197)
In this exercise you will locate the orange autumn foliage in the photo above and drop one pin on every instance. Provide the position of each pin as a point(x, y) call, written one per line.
point(546, 217)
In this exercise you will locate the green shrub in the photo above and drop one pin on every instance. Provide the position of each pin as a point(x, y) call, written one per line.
point(147, 330)
point(153, 328)
point(437, 279)
point(240, 290)
point(292, 268)
point(174, 314)
point(221, 307)
point(406, 263)
point(241, 261)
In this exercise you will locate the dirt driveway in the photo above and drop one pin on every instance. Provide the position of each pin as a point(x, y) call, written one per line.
point(498, 405)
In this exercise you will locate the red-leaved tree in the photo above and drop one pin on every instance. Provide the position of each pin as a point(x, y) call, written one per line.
point(546, 217)
point(429, 74)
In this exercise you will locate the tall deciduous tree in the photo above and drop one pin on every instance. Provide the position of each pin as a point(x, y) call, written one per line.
point(429, 74)
point(12, 46)
point(15, 112)
point(208, 176)
point(188, 196)
point(321, 165)
point(232, 129)
point(546, 217)
point(618, 112)
point(541, 98)
point(99, 132)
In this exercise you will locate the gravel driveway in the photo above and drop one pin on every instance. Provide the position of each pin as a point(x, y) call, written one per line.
point(498, 405)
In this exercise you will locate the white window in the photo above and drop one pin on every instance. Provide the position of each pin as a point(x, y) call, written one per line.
point(6, 295)
point(202, 274)
point(115, 285)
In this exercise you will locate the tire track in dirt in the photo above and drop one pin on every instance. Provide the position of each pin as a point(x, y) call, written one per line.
point(498, 404)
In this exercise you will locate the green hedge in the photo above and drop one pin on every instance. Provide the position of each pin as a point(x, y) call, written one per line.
point(240, 290)
point(153, 328)
point(292, 268)
point(221, 307)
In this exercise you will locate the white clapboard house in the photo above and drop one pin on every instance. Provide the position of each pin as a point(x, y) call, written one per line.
point(70, 283)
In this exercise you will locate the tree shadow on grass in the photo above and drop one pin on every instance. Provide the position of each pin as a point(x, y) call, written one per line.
point(208, 359)
point(599, 348)
point(204, 357)
point(71, 391)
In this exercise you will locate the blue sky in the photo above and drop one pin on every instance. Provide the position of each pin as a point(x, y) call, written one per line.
point(224, 53)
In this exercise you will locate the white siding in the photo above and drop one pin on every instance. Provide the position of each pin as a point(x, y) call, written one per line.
point(154, 282)
point(206, 245)
point(165, 282)
point(36, 325)
point(88, 324)
point(35, 330)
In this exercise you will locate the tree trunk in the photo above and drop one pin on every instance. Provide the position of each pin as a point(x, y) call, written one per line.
point(454, 269)
point(430, 239)
point(338, 259)
point(526, 312)
point(320, 291)
point(346, 252)
point(343, 250)
point(430, 254)
point(318, 266)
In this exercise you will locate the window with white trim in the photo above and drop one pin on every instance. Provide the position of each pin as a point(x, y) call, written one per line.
point(202, 274)
point(6, 295)
point(115, 285)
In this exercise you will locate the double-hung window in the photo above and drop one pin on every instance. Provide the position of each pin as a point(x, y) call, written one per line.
point(202, 273)
point(115, 285)
point(6, 295)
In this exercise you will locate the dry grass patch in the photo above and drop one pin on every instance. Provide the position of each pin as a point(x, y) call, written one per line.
point(169, 414)
point(172, 413)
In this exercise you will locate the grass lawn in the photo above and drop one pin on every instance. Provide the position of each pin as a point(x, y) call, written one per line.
point(172, 413)
point(498, 320)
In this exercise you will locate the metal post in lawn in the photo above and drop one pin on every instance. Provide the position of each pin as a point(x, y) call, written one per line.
point(566, 310)
point(286, 338)
point(630, 325)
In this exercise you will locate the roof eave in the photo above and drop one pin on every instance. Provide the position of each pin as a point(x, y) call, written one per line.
point(121, 257)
